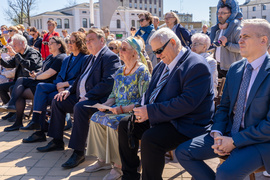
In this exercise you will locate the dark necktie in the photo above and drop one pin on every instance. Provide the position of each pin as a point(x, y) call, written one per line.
point(159, 85)
point(241, 99)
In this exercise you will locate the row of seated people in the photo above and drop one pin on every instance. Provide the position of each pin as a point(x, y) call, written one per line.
point(177, 106)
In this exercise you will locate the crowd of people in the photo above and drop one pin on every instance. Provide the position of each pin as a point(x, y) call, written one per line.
point(156, 86)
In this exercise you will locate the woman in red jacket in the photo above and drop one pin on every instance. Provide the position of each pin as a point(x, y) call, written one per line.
point(44, 47)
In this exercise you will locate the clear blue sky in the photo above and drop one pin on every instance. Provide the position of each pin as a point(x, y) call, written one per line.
point(199, 8)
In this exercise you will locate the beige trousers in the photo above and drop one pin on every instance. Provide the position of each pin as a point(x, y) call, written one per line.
point(103, 143)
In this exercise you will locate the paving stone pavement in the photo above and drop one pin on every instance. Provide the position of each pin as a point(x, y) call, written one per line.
point(23, 162)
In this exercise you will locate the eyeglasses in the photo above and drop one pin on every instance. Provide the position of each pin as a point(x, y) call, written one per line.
point(51, 43)
point(160, 50)
point(196, 44)
point(133, 29)
point(167, 18)
point(124, 49)
point(112, 48)
point(71, 42)
point(141, 20)
point(223, 13)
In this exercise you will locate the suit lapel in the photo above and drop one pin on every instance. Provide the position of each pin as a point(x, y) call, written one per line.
point(72, 65)
point(97, 60)
point(66, 68)
point(258, 81)
point(236, 82)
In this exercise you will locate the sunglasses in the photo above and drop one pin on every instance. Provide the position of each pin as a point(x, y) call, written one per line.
point(141, 20)
point(10, 30)
point(112, 48)
point(124, 49)
point(160, 50)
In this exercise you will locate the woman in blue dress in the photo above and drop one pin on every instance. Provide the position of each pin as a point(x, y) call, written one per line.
point(130, 83)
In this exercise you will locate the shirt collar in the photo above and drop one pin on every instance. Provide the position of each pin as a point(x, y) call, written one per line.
point(26, 49)
point(176, 59)
point(258, 62)
point(96, 55)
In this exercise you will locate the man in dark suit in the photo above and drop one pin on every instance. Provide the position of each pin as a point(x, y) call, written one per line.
point(92, 86)
point(241, 126)
point(178, 106)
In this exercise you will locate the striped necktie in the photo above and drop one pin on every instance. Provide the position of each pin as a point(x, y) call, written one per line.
point(159, 85)
point(241, 100)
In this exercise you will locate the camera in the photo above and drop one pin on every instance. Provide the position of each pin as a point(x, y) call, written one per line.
point(217, 43)
point(3, 50)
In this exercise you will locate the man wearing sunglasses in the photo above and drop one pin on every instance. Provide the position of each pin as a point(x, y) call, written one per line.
point(178, 106)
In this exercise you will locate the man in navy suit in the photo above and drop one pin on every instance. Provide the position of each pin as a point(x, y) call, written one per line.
point(241, 126)
point(92, 86)
point(178, 106)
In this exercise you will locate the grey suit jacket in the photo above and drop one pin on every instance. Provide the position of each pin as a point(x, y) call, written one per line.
point(257, 112)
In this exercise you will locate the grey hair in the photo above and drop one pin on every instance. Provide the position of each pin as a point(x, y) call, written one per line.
point(164, 34)
point(204, 39)
point(19, 38)
point(262, 29)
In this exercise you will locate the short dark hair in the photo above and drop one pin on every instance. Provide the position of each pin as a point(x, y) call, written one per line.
point(132, 28)
point(226, 6)
point(59, 40)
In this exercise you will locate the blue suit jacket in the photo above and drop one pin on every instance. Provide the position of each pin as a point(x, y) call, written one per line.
point(100, 80)
point(186, 35)
point(257, 112)
point(70, 72)
point(186, 100)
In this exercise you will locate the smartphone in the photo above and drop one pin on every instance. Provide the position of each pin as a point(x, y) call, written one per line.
point(5, 32)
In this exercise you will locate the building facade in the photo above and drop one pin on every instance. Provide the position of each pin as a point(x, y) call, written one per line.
point(155, 7)
point(251, 9)
point(74, 17)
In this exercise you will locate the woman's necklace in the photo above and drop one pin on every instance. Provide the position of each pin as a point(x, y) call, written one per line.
point(130, 70)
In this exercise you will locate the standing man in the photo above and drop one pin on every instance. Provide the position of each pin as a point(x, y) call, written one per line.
point(228, 51)
point(241, 126)
point(172, 106)
point(92, 86)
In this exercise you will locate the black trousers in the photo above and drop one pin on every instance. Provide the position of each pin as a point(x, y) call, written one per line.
point(81, 120)
point(155, 142)
point(4, 89)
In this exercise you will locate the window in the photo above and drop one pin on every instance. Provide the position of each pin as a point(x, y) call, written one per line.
point(254, 17)
point(145, 1)
point(155, 11)
point(66, 23)
point(133, 23)
point(241, 9)
point(135, 1)
point(84, 22)
point(159, 13)
point(130, 5)
point(40, 21)
point(135, 5)
point(253, 8)
point(155, 1)
point(264, 7)
point(140, 6)
point(145, 6)
point(130, 1)
point(132, 14)
point(59, 23)
point(150, 10)
point(84, 12)
point(140, 1)
point(263, 17)
point(159, 4)
point(150, 1)
point(35, 24)
point(118, 24)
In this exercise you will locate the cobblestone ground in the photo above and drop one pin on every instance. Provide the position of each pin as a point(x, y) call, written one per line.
point(24, 162)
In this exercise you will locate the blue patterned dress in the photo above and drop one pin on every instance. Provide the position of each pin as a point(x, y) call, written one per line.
point(126, 90)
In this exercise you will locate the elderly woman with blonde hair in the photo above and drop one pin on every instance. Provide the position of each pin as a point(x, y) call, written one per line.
point(200, 45)
point(130, 83)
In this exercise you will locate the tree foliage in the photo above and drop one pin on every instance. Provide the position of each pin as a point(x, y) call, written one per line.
point(18, 11)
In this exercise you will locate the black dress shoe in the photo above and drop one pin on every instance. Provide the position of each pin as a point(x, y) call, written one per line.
point(7, 116)
point(13, 128)
point(7, 108)
point(73, 161)
point(35, 137)
point(30, 127)
point(52, 146)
